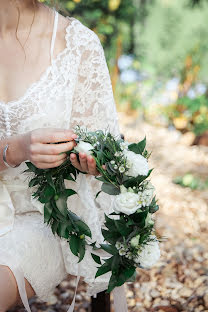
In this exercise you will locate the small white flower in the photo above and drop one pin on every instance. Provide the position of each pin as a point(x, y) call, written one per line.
point(117, 154)
point(115, 167)
point(149, 255)
point(119, 245)
point(129, 255)
point(121, 169)
point(148, 220)
point(126, 202)
point(84, 147)
point(112, 162)
point(124, 145)
point(139, 164)
point(135, 241)
point(122, 252)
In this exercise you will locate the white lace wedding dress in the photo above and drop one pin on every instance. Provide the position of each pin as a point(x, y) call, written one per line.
point(74, 89)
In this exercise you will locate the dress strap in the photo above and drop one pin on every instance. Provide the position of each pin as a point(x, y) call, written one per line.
point(55, 25)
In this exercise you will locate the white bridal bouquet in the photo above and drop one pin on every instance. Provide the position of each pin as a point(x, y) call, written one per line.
point(128, 231)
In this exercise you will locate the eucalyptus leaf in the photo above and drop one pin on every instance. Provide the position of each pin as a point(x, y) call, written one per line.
point(109, 248)
point(110, 189)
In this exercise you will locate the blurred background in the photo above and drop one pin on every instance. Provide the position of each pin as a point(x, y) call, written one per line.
point(157, 55)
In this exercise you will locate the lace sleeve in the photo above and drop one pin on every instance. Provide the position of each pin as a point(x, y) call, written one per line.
point(93, 101)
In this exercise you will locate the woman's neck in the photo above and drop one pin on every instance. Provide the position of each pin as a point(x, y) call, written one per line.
point(9, 15)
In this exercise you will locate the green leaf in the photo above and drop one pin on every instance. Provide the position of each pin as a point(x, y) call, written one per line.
point(122, 227)
point(61, 204)
point(139, 147)
point(125, 275)
point(84, 228)
point(109, 248)
point(106, 267)
point(31, 167)
point(74, 244)
point(69, 192)
point(47, 212)
point(111, 236)
point(69, 177)
point(98, 194)
point(47, 194)
point(62, 230)
point(54, 226)
point(109, 223)
point(49, 179)
point(96, 258)
point(102, 179)
point(33, 182)
point(82, 249)
point(153, 206)
point(110, 189)
point(115, 263)
point(112, 283)
point(73, 216)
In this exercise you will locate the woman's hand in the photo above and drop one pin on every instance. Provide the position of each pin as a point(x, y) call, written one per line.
point(85, 164)
point(44, 155)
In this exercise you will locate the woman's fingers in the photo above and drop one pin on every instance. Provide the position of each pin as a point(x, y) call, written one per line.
point(83, 162)
point(52, 135)
point(51, 149)
point(48, 158)
point(74, 161)
point(92, 166)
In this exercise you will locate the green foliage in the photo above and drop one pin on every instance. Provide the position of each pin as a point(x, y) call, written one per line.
point(170, 35)
point(192, 112)
point(189, 180)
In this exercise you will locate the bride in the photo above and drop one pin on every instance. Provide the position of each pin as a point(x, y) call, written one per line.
point(53, 76)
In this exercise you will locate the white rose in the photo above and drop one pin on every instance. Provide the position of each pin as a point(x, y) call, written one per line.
point(149, 255)
point(84, 147)
point(137, 163)
point(126, 203)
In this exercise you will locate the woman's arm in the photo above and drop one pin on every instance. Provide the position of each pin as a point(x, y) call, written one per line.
point(33, 146)
point(15, 154)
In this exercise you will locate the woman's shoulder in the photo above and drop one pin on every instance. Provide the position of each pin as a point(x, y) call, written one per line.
point(76, 32)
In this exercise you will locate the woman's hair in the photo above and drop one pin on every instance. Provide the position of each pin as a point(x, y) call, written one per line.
point(52, 3)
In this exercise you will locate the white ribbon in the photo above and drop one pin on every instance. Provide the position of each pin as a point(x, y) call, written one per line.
point(119, 298)
point(7, 210)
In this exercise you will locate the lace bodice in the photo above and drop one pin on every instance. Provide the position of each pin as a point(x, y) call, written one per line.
point(74, 89)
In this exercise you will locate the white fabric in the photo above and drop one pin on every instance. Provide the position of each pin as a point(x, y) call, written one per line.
point(74, 89)
point(119, 299)
point(54, 32)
